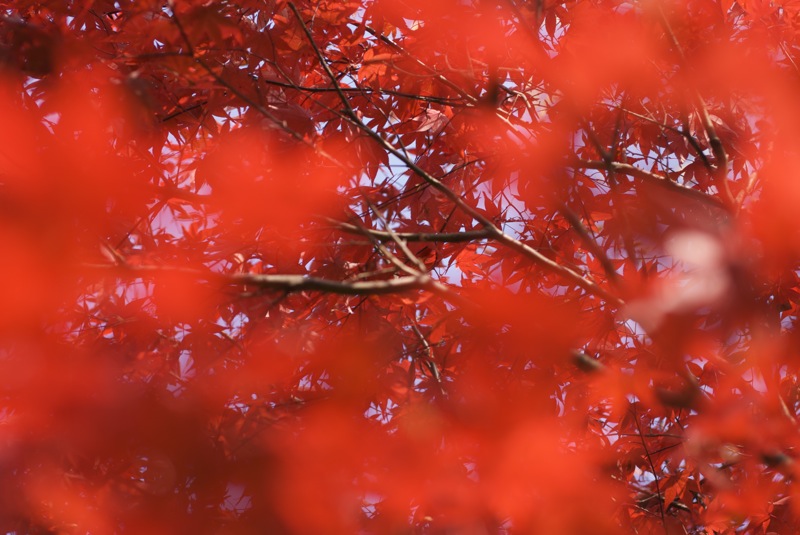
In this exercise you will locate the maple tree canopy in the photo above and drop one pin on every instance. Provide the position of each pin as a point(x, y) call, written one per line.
point(399, 266)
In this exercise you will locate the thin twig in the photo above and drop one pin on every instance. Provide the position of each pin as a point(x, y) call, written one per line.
point(608, 158)
point(367, 90)
point(420, 265)
point(285, 283)
point(494, 231)
point(437, 75)
point(281, 124)
point(444, 237)
point(652, 178)
point(429, 361)
point(652, 469)
point(683, 132)
point(717, 148)
point(591, 244)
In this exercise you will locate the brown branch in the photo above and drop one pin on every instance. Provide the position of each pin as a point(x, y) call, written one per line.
point(281, 124)
point(718, 150)
point(609, 157)
point(492, 230)
point(683, 132)
point(554, 267)
point(419, 264)
point(168, 192)
point(348, 108)
point(657, 480)
point(433, 237)
point(591, 244)
point(430, 361)
point(181, 30)
point(286, 283)
point(367, 90)
point(695, 145)
point(438, 76)
point(651, 178)
point(181, 111)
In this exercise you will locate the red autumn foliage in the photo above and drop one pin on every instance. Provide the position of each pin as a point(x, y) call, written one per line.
point(385, 266)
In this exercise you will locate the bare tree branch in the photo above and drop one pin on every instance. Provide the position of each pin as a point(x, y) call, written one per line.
point(280, 124)
point(445, 237)
point(652, 178)
point(493, 230)
point(720, 155)
point(591, 244)
point(286, 283)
